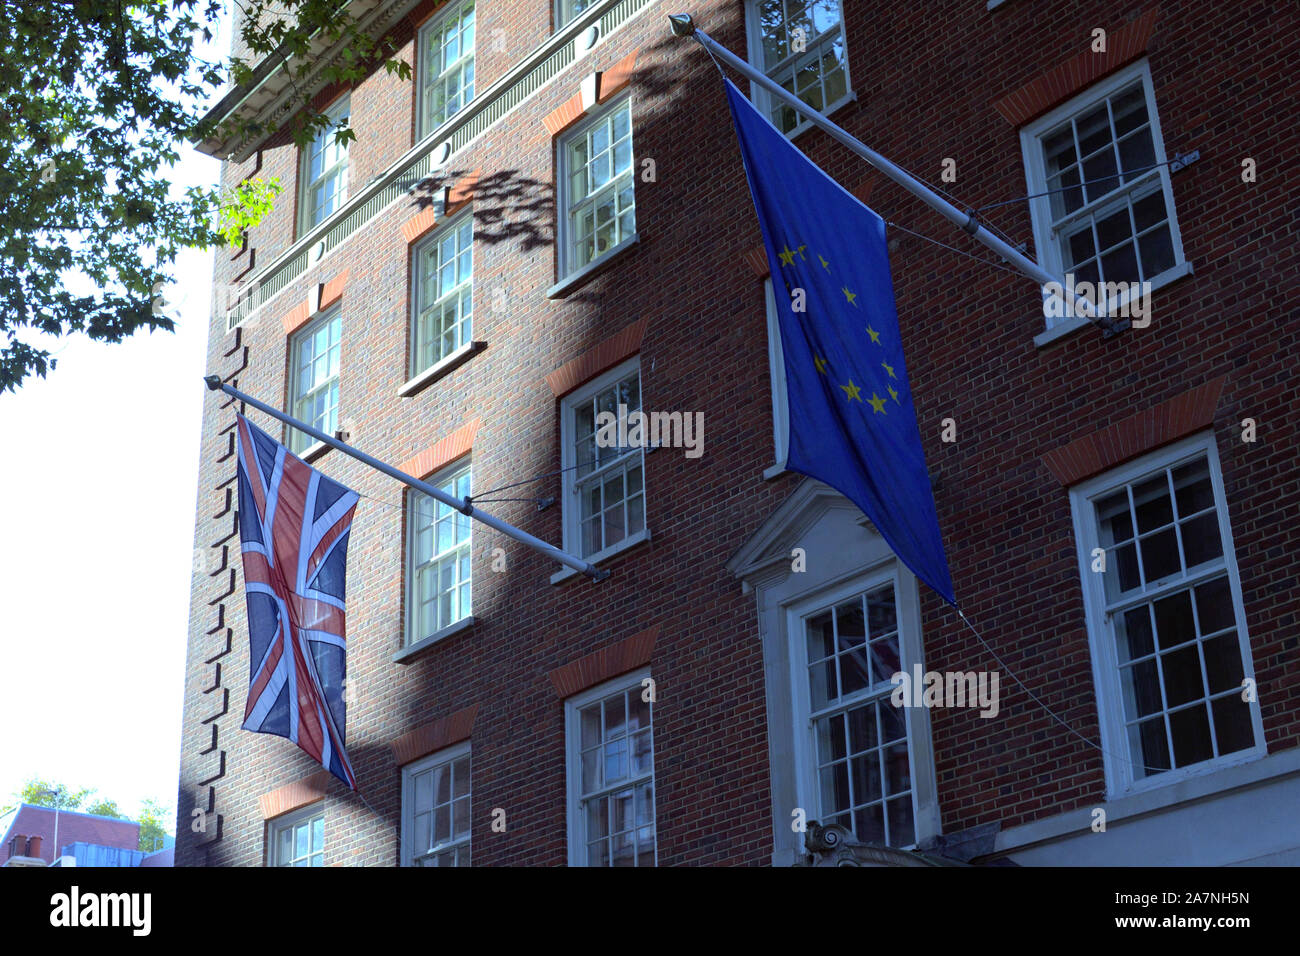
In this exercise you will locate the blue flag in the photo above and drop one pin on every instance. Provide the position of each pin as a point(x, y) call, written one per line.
point(852, 422)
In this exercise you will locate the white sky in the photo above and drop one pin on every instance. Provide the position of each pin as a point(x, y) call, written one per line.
point(98, 479)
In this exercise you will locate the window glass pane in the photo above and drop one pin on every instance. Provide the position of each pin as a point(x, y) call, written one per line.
point(1150, 746)
point(1232, 724)
point(1120, 265)
point(1189, 730)
point(1157, 252)
point(1130, 110)
point(1214, 606)
point(1133, 633)
point(1174, 624)
point(1149, 210)
point(1160, 556)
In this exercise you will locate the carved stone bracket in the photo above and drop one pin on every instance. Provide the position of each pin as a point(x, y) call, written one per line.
point(835, 845)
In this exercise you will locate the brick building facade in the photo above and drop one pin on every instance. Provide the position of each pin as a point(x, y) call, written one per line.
point(469, 714)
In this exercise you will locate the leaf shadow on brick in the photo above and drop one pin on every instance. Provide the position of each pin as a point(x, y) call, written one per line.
point(508, 206)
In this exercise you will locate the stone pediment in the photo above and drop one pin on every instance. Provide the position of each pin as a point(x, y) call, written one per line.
point(815, 518)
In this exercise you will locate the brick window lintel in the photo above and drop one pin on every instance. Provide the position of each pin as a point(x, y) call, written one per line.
point(442, 452)
point(1136, 435)
point(435, 735)
point(599, 666)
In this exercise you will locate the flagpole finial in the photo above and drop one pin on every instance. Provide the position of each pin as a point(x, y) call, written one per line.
point(683, 25)
point(214, 382)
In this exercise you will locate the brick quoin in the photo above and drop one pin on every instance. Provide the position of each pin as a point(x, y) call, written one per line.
point(688, 299)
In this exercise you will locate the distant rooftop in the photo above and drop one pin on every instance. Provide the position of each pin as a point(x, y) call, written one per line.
point(28, 821)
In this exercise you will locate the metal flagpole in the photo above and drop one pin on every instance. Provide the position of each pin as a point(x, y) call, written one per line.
point(465, 507)
point(684, 26)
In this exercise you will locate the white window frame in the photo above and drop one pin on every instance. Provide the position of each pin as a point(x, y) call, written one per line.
point(1031, 145)
point(445, 757)
point(336, 113)
point(289, 821)
point(455, 11)
point(919, 747)
point(300, 442)
point(449, 475)
point(568, 265)
point(573, 485)
point(764, 100)
point(776, 376)
point(431, 244)
point(577, 828)
point(563, 14)
point(1101, 637)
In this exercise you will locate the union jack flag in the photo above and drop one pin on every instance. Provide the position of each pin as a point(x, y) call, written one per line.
point(293, 528)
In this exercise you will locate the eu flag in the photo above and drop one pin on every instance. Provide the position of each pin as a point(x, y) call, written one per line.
point(852, 422)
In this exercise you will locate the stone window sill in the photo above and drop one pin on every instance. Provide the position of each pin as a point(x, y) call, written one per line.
point(441, 368)
point(409, 653)
point(565, 573)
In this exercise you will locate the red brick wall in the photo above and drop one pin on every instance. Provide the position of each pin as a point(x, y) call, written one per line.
point(923, 95)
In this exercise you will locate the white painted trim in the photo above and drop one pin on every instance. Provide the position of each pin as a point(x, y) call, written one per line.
point(566, 273)
point(416, 263)
point(845, 554)
point(754, 54)
point(1048, 246)
point(576, 828)
point(449, 473)
point(438, 758)
point(294, 343)
point(568, 497)
point(925, 810)
point(316, 449)
point(589, 88)
point(776, 379)
point(277, 825)
point(631, 541)
point(1136, 805)
point(449, 11)
point(568, 284)
point(1119, 775)
point(406, 653)
point(1067, 326)
point(444, 367)
point(304, 225)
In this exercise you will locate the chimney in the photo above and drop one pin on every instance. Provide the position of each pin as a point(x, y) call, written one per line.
point(18, 845)
point(34, 846)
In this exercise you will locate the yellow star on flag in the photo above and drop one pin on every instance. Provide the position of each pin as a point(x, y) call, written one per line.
point(894, 395)
point(877, 403)
point(825, 265)
point(850, 296)
point(875, 336)
point(800, 251)
point(888, 368)
point(787, 256)
point(820, 363)
point(851, 391)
